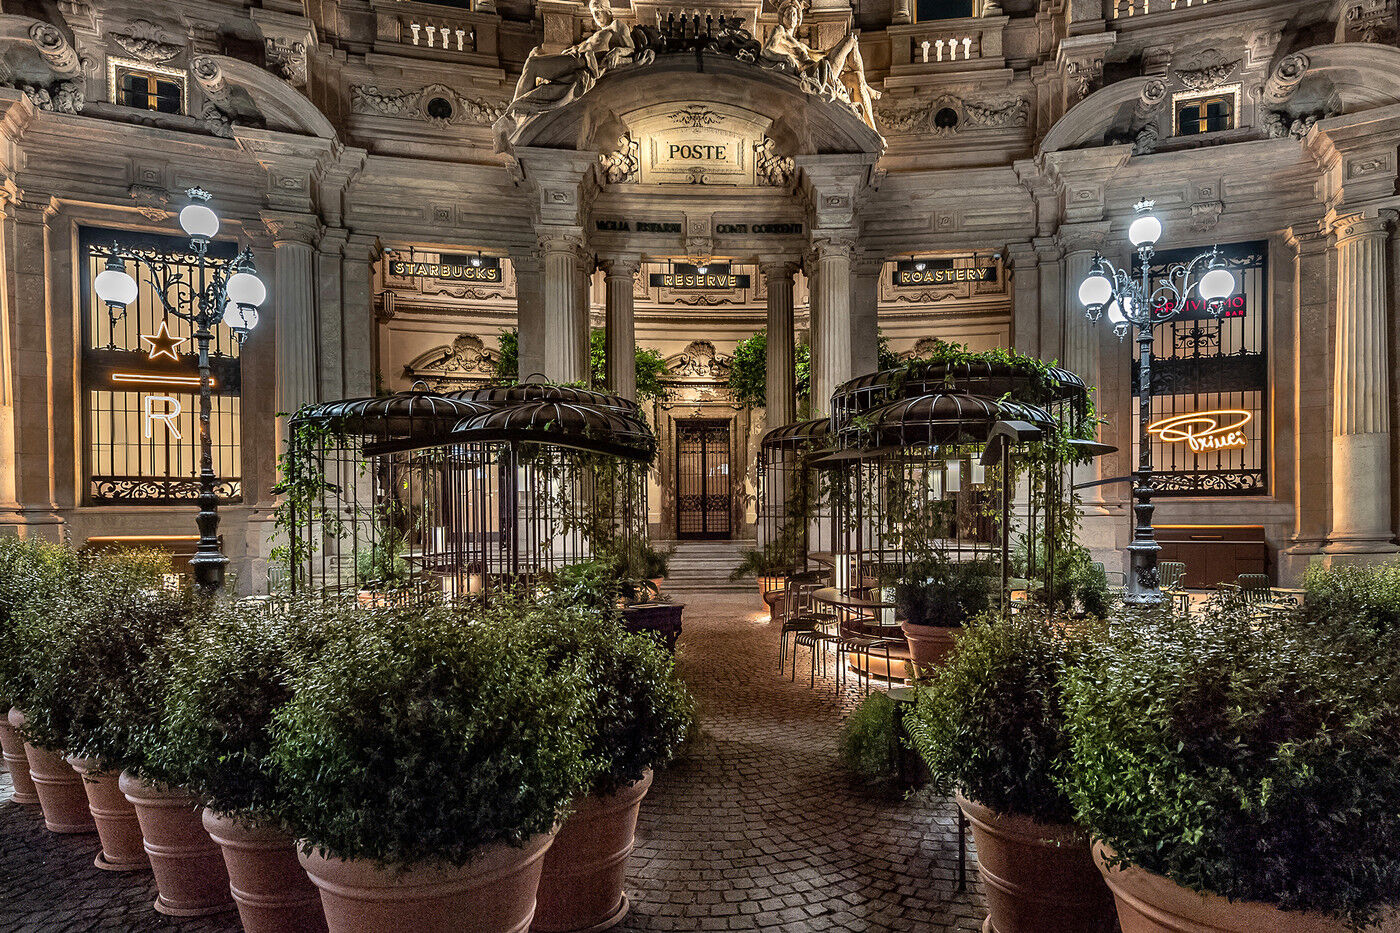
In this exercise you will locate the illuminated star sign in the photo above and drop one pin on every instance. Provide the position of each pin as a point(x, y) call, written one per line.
point(162, 343)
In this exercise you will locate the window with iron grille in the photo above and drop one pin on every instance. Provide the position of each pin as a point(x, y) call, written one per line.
point(1210, 378)
point(140, 384)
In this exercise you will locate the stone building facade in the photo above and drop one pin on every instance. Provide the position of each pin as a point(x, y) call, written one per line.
point(408, 204)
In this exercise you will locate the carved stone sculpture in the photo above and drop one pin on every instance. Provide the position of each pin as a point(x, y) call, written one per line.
point(825, 69)
point(771, 168)
point(143, 39)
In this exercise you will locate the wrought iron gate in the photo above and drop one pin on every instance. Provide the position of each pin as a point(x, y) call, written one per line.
point(703, 487)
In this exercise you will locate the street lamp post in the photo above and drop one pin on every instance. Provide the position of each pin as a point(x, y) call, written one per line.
point(227, 291)
point(1133, 300)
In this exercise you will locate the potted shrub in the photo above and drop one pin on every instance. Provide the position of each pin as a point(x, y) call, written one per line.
point(872, 745)
point(426, 759)
point(226, 682)
point(936, 596)
point(29, 569)
point(1238, 771)
point(769, 564)
point(638, 714)
point(989, 722)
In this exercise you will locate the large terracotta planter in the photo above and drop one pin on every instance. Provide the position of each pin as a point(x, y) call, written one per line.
point(190, 877)
point(586, 868)
point(493, 893)
point(768, 585)
point(1150, 903)
point(59, 787)
point(929, 644)
point(1038, 876)
point(115, 818)
point(16, 762)
point(272, 892)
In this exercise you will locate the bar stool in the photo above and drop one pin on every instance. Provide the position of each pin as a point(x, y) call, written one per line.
point(799, 615)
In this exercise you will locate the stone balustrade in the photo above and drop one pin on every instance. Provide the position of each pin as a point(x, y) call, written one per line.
point(1122, 9)
point(947, 45)
point(430, 30)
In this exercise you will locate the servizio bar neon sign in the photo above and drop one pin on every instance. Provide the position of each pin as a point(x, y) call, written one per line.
point(1205, 431)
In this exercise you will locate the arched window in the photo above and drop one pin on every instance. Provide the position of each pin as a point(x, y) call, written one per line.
point(929, 10)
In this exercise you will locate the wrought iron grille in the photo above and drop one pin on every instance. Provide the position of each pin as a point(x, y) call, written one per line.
point(1217, 369)
point(141, 396)
point(703, 483)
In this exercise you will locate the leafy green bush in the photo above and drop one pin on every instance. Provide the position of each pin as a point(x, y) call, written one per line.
point(775, 559)
point(103, 658)
point(638, 711)
point(940, 591)
point(870, 740)
point(30, 571)
point(227, 680)
point(990, 720)
point(420, 735)
point(1255, 758)
point(1365, 600)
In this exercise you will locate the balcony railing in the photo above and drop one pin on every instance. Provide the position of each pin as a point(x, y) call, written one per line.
point(1122, 9)
point(947, 45)
point(431, 30)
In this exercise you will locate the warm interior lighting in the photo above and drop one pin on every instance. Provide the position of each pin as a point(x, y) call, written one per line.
point(1205, 431)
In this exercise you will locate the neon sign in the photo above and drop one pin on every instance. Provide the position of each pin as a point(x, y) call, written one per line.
point(1198, 309)
point(167, 416)
point(1205, 431)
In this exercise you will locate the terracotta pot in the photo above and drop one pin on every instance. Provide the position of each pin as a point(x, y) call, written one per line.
point(16, 762)
point(493, 893)
point(769, 585)
point(1150, 903)
point(273, 894)
point(1038, 876)
point(59, 787)
point(581, 887)
point(929, 644)
point(115, 818)
point(190, 877)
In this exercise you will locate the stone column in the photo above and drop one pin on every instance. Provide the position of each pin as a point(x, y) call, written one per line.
point(1361, 474)
point(865, 314)
point(330, 323)
point(1312, 437)
point(781, 401)
point(357, 314)
point(529, 313)
point(9, 504)
point(293, 302)
point(1081, 336)
point(27, 249)
point(831, 322)
point(1025, 291)
point(619, 277)
point(565, 322)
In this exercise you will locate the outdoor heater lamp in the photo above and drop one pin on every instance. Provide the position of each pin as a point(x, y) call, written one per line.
point(1135, 300)
point(227, 291)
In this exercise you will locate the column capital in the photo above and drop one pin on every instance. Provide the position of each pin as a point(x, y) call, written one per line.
point(1306, 236)
point(1363, 224)
point(834, 243)
point(622, 266)
point(778, 266)
point(292, 228)
point(1082, 237)
point(561, 241)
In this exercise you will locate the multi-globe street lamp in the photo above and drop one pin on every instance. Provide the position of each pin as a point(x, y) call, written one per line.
point(1131, 299)
point(225, 290)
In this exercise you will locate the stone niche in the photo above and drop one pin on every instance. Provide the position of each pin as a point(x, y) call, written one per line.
point(696, 143)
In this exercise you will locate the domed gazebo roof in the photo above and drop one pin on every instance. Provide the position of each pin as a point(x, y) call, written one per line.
point(401, 416)
point(497, 396)
point(991, 378)
point(940, 418)
point(562, 424)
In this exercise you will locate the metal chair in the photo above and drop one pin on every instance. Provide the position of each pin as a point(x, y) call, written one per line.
point(799, 615)
point(1170, 575)
point(1255, 587)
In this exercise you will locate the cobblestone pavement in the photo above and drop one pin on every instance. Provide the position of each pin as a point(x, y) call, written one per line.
point(757, 828)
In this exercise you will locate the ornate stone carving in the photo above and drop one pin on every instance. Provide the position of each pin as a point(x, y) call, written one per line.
point(466, 360)
point(823, 72)
point(1368, 21)
point(699, 361)
point(144, 40)
point(1206, 70)
point(54, 48)
point(59, 97)
point(695, 116)
point(1154, 92)
point(209, 77)
point(1278, 124)
point(1206, 215)
point(287, 57)
point(923, 116)
point(150, 201)
point(1084, 77)
point(1145, 139)
point(624, 163)
point(437, 104)
point(770, 168)
point(1285, 78)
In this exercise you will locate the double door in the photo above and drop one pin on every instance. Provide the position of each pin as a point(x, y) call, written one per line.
point(704, 486)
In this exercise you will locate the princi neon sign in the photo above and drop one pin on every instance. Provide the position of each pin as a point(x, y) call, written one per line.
point(1205, 431)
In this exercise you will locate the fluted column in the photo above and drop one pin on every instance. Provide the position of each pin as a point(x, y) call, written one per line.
point(619, 279)
point(1361, 474)
point(294, 304)
point(565, 320)
point(1081, 335)
point(357, 313)
point(1312, 432)
point(781, 398)
point(27, 248)
point(865, 314)
point(529, 313)
point(831, 321)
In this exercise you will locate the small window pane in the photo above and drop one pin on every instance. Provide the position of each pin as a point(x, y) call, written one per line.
point(167, 97)
point(926, 10)
point(1189, 120)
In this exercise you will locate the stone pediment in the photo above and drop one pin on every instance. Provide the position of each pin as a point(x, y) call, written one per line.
point(799, 123)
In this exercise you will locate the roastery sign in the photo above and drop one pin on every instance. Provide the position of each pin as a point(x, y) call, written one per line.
point(910, 273)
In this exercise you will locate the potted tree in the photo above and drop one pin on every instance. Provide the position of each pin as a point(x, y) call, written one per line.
point(91, 645)
point(226, 682)
point(935, 596)
point(990, 724)
point(426, 760)
point(29, 570)
point(638, 713)
point(1239, 771)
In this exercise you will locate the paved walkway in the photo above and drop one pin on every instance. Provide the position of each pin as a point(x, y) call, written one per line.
point(757, 829)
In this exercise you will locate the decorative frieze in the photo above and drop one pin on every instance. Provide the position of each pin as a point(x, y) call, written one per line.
point(948, 114)
point(436, 104)
point(1206, 70)
point(147, 42)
